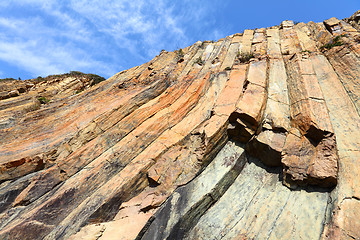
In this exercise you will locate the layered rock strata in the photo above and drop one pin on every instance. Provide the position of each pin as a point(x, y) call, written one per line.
point(254, 136)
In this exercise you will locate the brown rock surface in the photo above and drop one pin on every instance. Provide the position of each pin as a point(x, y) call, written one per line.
point(305, 162)
point(267, 146)
point(170, 149)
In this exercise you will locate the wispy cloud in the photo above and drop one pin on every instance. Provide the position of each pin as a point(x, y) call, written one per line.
point(103, 37)
point(139, 26)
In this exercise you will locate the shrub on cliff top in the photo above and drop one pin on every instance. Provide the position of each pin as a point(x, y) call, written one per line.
point(180, 53)
point(95, 78)
point(7, 79)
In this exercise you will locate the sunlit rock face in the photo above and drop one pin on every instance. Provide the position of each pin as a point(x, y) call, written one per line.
point(255, 136)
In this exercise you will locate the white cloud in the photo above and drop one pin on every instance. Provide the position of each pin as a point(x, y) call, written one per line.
point(31, 44)
point(95, 36)
point(149, 22)
point(18, 54)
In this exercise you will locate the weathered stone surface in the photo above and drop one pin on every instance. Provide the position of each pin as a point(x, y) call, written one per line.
point(345, 62)
point(320, 33)
point(333, 25)
point(246, 42)
point(289, 39)
point(245, 120)
point(309, 154)
point(146, 154)
point(232, 53)
point(277, 112)
point(258, 206)
point(307, 107)
point(304, 35)
point(287, 24)
point(273, 41)
point(191, 201)
point(259, 43)
point(354, 20)
point(305, 162)
point(267, 146)
point(346, 195)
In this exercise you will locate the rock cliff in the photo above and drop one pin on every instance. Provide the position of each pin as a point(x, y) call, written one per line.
point(255, 136)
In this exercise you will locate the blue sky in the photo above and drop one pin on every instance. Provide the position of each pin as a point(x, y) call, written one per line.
point(42, 37)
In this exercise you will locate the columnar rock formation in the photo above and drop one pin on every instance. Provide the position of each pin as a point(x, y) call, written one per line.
point(255, 136)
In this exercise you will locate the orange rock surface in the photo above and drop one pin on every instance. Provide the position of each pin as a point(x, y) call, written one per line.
point(159, 150)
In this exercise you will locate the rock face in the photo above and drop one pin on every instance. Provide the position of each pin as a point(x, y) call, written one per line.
point(255, 136)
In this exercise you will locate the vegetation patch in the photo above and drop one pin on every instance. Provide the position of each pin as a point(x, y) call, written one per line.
point(335, 42)
point(7, 79)
point(76, 73)
point(306, 51)
point(245, 57)
point(199, 61)
point(180, 55)
point(93, 78)
point(79, 91)
point(43, 100)
point(40, 79)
